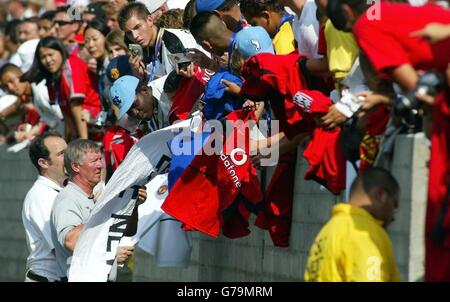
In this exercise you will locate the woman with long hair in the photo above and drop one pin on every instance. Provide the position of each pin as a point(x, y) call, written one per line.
point(95, 42)
point(70, 84)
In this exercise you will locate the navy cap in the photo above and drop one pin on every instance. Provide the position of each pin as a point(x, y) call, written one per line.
point(118, 67)
point(207, 5)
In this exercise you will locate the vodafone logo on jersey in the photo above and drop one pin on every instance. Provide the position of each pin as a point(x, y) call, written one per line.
point(237, 157)
point(236, 154)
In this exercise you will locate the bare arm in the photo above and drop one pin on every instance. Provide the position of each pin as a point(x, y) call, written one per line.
point(405, 76)
point(288, 145)
point(138, 67)
point(280, 138)
point(72, 236)
point(202, 60)
point(77, 112)
point(69, 127)
point(285, 145)
point(434, 32)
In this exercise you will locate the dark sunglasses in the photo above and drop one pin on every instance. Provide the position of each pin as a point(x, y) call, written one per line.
point(62, 22)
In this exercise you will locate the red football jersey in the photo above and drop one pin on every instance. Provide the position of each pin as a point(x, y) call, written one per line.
point(188, 92)
point(76, 82)
point(388, 43)
point(278, 78)
point(437, 257)
point(217, 180)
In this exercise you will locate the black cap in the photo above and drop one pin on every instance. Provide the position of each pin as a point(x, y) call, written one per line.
point(96, 8)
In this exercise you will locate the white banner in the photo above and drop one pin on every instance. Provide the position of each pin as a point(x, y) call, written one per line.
point(158, 233)
point(95, 250)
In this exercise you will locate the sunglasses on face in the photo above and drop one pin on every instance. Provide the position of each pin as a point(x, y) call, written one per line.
point(62, 22)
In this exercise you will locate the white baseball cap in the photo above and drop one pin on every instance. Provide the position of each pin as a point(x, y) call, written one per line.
point(152, 5)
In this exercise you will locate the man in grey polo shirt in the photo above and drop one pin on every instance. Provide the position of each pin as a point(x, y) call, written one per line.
point(73, 205)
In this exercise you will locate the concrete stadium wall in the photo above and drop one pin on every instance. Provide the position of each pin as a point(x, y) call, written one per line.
point(407, 232)
point(252, 258)
point(17, 175)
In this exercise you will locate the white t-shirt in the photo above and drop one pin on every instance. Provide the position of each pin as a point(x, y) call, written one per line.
point(50, 114)
point(164, 103)
point(177, 4)
point(165, 66)
point(170, 36)
point(306, 30)
point(36, 212)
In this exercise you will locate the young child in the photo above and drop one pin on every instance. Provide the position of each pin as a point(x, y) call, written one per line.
point(274, 19)
point(115, 44)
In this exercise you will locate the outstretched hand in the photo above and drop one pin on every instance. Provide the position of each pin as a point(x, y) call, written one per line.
point(231, 87)
point(137, 67)
point(433, 32)
point(333, 118)
point(188, 72)
point(201, 59)
point(142, 195)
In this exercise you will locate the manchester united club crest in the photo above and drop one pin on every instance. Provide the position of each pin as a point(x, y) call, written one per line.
point(115, 73)
point(162, 189)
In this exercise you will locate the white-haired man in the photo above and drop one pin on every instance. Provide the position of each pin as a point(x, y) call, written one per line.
point(73, 205)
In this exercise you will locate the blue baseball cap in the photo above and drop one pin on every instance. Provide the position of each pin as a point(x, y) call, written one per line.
point(123, 93)
point(253, 40)
point(207, 5)
point(118, 67)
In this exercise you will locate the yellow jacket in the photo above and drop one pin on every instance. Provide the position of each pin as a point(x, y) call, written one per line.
point(352, 246)
point(284, 40)
point(342, 51)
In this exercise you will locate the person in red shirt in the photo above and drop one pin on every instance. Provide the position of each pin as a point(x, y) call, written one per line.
point(400, 54)
point(386, 34)
point(70, 84)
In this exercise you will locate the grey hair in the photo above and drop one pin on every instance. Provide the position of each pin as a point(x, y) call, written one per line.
point(75, 153)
